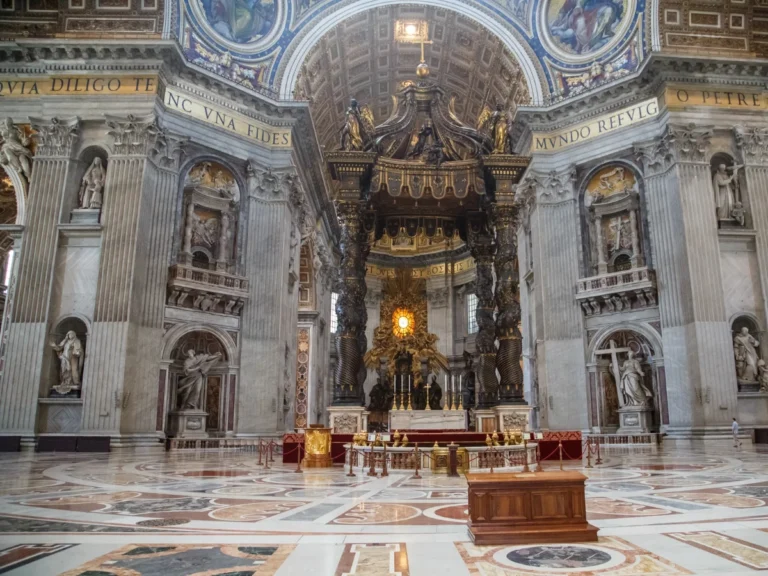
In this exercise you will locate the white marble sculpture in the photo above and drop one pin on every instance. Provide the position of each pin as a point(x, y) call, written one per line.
point(190, 390)
point(70, 354)
point(724, 185)
point(633, 389)
point(13, 148)
point(745, 353)
point(762, 375)
point(189, 226)
point(92, 186)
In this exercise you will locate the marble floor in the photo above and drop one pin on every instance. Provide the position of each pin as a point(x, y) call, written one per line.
point(670, 511)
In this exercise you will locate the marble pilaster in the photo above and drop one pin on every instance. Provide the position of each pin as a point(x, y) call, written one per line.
point(27, 329)
point(698, 353)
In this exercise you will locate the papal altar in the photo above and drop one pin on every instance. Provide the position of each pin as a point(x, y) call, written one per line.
point(428, 420)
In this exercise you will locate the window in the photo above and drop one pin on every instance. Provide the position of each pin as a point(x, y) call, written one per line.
point(334, 318)
point(8, 268)
point(471, 313)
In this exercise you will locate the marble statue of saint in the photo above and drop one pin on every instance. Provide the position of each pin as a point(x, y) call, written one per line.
point(499, 128)
point(762, 376)
point(745, 352)
point(633, 390)
point(13, 148)
point(738, 213)
point(70, 353)
point(468, 382)
point(724, 185)
point(435, 393)
point(92, 186)
point(189, 227)
point(190, 390)
point(351, 135)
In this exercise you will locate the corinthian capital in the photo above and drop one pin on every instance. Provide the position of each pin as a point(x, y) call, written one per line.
point(133, 135)
point(753, 143)
point(547, 187)
point(689, 143)
point(55, 137)
point(656, 156)
point(167, 150)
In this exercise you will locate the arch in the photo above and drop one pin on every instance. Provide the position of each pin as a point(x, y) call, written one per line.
point(175, 334)
point(313, 34)
point(19, 184)
point(651, 336)
point(747, 319)
point(64, 317)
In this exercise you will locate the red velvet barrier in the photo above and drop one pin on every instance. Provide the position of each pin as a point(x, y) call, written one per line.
point(572, 448)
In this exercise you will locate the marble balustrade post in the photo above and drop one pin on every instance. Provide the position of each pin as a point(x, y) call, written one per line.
point(27, 330)
point(120, 382)
point(698, 352)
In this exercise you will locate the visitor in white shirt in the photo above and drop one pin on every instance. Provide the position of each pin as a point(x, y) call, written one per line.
point(735, 430)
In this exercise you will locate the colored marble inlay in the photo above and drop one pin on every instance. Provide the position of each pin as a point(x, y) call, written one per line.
point(734, 549)
point(374, 560)
point(17, 556)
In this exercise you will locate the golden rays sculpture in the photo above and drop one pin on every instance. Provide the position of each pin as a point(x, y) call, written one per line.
point(403, 327)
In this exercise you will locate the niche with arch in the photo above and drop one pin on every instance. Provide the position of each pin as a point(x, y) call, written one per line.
point(86, 200)
point(68, 358)
point(214, 389)
point(9, 212)
point(748, 353)
point(609, 392)
point(728, 185)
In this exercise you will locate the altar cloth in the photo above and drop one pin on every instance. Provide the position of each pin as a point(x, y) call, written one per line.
point(427, 420)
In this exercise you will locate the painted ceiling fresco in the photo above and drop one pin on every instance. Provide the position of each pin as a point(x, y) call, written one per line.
point(570, 45)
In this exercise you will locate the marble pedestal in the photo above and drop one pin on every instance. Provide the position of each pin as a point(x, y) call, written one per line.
point(427, 420)
point(514, 417)
point(635, 420)
point(347, 419)
point(485, 420)
point(84, 216)
point(188, 424)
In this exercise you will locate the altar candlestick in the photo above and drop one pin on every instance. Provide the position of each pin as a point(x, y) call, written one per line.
point(445, 400)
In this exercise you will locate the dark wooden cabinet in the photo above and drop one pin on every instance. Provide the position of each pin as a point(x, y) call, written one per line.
point(527, 508)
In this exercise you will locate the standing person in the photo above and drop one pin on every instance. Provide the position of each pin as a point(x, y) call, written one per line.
point(735, 430)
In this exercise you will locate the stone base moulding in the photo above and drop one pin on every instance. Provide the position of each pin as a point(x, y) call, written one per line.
point(188, 424)
point(347, 419)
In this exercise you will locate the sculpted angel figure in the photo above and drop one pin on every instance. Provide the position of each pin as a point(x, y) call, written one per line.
point(92, 185)
point(190, 388)
point(496, 123)
point(632, 388)
point(13, 148)
point(70, 354)
point(358, 125)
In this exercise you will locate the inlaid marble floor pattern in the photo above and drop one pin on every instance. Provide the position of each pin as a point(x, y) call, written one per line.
point(671, 511)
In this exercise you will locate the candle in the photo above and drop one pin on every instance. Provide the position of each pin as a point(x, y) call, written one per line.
point(459, 383)
point(409, 383)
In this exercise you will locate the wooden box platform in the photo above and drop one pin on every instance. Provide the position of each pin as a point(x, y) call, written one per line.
point(528, 508)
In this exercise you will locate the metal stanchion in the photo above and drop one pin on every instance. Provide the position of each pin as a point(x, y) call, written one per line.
point(418, 460)
point(589, 452)
point(258, 446)
point(384, 462)
point(298, 461)
point(599, 460)
point(490, 449)
point(351, 473)
point(560, 448)
point(372, 462)
point(538, 458)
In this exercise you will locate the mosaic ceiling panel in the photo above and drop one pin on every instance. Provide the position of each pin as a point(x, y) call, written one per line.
point(567, 47)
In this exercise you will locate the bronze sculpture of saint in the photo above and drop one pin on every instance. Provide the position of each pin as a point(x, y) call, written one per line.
point(435, 393)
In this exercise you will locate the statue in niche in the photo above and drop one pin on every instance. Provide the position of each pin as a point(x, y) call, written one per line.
point(468, 381)
point(633, 389)
point(211, 176)
point(435, 393)
point(191, 222)
point(190, 389)
point(205, 232)
point(92, 186)
point(70, 354)
point(738, 213)
point(381, 397)
point(351, 138)
point(13, 148)
point(621, 234)
point(745, 353)
point(726, 190)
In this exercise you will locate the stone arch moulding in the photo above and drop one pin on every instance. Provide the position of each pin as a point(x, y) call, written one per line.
point(288, 73)
point(69, 315)
point(623, 162)
point(20, 189)
point(175, 334)
point(644, 330)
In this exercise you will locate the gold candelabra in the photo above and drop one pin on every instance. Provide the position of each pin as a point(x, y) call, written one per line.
point(428, 407)
point(394, 401)
point(461, 401)
point(410, 407)
point(453, 400)
point(402, 401)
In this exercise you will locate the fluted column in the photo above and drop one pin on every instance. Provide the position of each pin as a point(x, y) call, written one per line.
point(753, 145)
point(698, 352)
point(268, 333)
point(550, 199)
point(483, 248)
point(27, 335)
point(116, 396)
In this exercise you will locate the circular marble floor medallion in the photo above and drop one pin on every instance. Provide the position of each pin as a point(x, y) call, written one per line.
point(559, 559)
